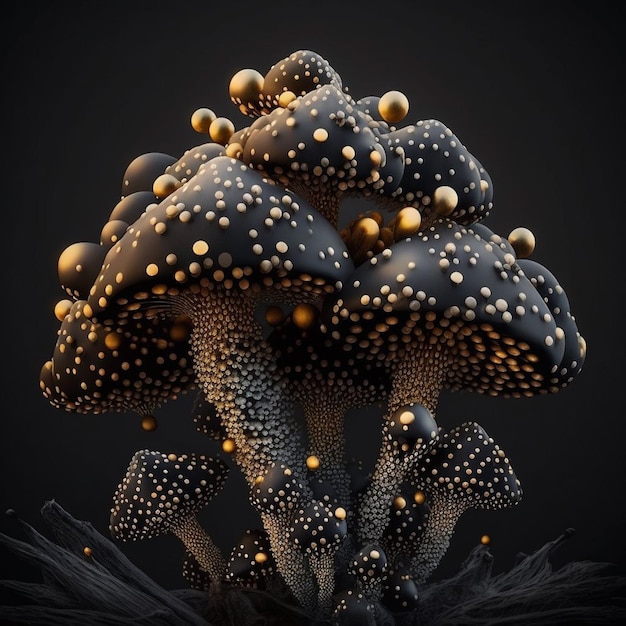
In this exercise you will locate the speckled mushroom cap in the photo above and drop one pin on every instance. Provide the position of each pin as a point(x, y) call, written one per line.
point(410, 427)
point(352, 608)
point(399, 592)
point(78, 266)
point(192, 159)
point(159, 490)
point(368, 564)
point(277, 491)
point(451, 286)
point(466, 465)
point(407, 520)
point(434, 159)
point(226, 225)
point(555, 297)
point(322, 144)
point(317, 530)
point(251, 558)
point(206, 419)
point(97, 370)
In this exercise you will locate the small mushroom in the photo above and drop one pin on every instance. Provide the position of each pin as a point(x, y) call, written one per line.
point(353, 608)
point(464, 468)
point(399, 592)
point(368, 566)
point(163, 493)
point(251, 563)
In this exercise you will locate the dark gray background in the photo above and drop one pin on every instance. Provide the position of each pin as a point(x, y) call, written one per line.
point(534, 91)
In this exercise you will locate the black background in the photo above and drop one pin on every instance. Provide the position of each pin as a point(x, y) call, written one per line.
point(534, 91)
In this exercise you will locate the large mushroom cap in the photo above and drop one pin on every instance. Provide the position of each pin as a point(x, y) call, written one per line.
point(98, 370)
point(466, 465)
point(226, 225)
point(449, 285)
point(161, 489)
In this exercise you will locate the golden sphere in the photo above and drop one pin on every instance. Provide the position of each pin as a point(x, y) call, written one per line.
point(201, 120)
point(164, 185)
point(260, 557)
point(407, 223)
point(113, 340)
point(304, 315)
point(228, 445)
point(274, 315)
point(312, 462)
point(286, 98)
point(419, 497)
point(340, 513)
point(393, 106)
point(221, 130)
point(245, 86)
point(399, 503)
point(523, 242)
point(62, 308)
point(234, 150)
point(149, 423)
point(485, 540)
point(87, 551)
point(445, 200)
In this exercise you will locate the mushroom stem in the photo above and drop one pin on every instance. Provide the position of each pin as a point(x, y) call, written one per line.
point(417, 377)
point(203, 548)
point(324, 571)
point(435, 540)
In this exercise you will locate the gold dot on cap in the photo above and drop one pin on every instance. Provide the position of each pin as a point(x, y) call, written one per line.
point(445, 200)
point(407, 223)
point(523, 242)
point(62, 308)
point(221, 130)
point(260, 557)
point(393, 106)
point(274, 315)
point(228, 445)
point(164, 185)
point(304, 315)
point(399, 503)
point(419, 497)
point(245, 86)
point(313, 462)
point(113, 340)
point(286, 98)
point(172, 457)
point(201, 120)
point(485, 540)
point(340, 513)
point(87, 551)
point(149, 423)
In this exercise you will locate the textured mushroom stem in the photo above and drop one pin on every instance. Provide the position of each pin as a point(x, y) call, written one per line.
point(435, 540)
point(324, 571)
point(203, 548)
point(290, 562)
point(417, 378)
point(237, 371)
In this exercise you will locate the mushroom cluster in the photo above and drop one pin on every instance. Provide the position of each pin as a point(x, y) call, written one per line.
point(231, 271)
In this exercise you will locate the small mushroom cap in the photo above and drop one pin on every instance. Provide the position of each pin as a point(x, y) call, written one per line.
point(317, 530)
point(160, 490)
point(78, 266)
point(226, 225)
point(251, 559)
point(556, 299)
point(411, 426)
point(142, 171)
point(369, 563)
point(449, 284)
point(190, 162)
point(278, 490)
point(95, 369)
point(466, 465)
point(353, 608)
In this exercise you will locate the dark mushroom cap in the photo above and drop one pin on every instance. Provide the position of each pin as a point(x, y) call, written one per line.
point(97, 370)
point(251, 559)
point(206, 418)
point(78, 266)
point(142, 171)
point(226, 225)
point(192, 159)
point(466, 466)
point(132, 206)
point(411, 426)
point(192, 572)
point(399, 592)
point(368, 564)
point(323, 144)
point(557, 301)
point(317, 530)
point(353, 608)
point(278, 490)
point(300, 73)
point(159, 490)
point(434, 157)
point(449, 285)
point(407, 520)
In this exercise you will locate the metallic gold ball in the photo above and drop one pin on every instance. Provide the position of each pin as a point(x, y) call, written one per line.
point(286, 98)
point(228, 445)
point(523, 242)
point(221, 130)
point(164, 185)
point(407, 223)
point(172, 457)
point(312, 462)
point(304, 315)
point(201, 120)
point(62, 308)
point(234, 150)
point(393, 106)
point(113, 340)
point(87, 551)
point(274, 315)
point(419, 497)
point(245, 86)
point(485, 540)
point(149, 423)
point(399, 503)
point(340, 513)
point(260, 557)
point(445, 200)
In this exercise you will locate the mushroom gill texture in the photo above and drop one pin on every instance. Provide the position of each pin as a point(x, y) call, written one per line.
point(227, 271)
